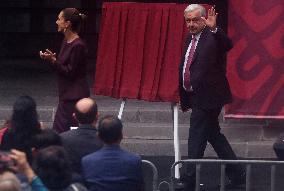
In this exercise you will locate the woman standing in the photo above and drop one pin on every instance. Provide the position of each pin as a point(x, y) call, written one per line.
point(70, 66)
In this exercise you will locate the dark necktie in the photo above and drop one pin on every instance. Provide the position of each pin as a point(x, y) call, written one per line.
point(186, 77)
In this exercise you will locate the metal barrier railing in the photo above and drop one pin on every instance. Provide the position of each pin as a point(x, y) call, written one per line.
point(248, 163)
point(155, 174)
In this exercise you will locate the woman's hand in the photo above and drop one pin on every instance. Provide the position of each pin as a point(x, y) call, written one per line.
point(48, 55)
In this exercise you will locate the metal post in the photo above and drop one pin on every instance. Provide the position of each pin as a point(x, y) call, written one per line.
point(155, 174)
point(197, 179)
point(173, 174)
point(223, 176)
point(176, 138)
point(273, 170)
point(121, 108)
point(248, 173)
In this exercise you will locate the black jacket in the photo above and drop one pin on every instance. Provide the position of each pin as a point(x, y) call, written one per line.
point(207, 72)
point(80, 142)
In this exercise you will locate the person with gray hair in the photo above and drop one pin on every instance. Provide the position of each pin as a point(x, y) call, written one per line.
point(204, 88)
point(193, 7)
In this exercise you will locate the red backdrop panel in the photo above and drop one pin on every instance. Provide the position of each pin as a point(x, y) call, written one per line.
point(256, 63)
point(140, 46)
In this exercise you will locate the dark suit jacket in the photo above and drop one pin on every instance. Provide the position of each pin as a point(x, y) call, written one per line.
point(112, 169)
point(207, 72)
point(79, 143)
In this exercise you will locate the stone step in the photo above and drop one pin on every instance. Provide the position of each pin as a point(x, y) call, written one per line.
point(254, 149)
point(151, 122)
point(157, 140)
point(46, 113)
point(136, 112)
point(164, 131)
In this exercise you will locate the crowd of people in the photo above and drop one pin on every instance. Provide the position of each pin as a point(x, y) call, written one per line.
point(37, 158)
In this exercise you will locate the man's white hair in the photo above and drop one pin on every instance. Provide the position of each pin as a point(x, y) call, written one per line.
point(193, 7)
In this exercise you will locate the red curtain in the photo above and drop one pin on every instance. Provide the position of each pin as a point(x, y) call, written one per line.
point(256, 63)
point(140, 46)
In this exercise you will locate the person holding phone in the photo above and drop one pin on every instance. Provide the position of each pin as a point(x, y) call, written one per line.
point(70, 66)
point(22, 166)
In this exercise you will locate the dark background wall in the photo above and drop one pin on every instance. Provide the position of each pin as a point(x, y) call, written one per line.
point(28, 26)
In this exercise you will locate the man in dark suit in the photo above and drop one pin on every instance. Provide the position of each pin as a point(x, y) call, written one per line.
point(112, 168)
point(84, 140)
point(205, 89)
